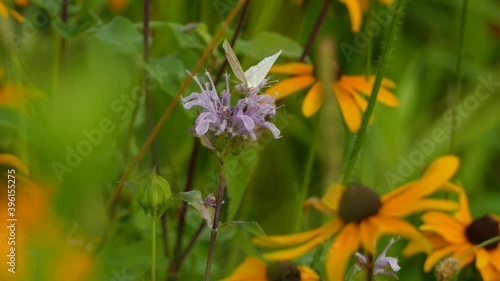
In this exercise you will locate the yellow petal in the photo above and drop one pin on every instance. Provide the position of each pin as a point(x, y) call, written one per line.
point(495, 258)
point(459, 253)
point(482, 258)
point(436, 256)
point(290, 86)
point(349, 109)
point(313, 100)
point(360, 101)
point(307, 274)
point(344, 246)
point(439, 172)
point(12, 161)
point(413, 248)
point(419, 206)
point(446, 226)
point(318, 205)
point(332, 196)
point(4, 12)
point(355, 12)
point(394, 226)
point(436, 240)
point(21, 3)
point(290, 254)
point(293, 68)
point(369, 234)
point(289, 240)
point(251, 269)
point(488, 273)
point(17, 16)
point(463, 214)
point(365, 86)
point(396, 192)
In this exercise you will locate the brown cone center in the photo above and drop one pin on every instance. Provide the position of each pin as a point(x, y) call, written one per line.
point(482, 229)
point(283, 270)
point(357, 203)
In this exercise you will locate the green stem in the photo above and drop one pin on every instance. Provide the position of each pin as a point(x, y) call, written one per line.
point(458, 78)
point(479, 246)
point(373, 98)
point(218, 208)
point(153, 248)
point(369, 55)
point(302, 191)
point(56, 61)
point(315, 263)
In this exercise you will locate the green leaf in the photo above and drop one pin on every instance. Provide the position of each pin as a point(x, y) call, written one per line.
point(268, 43)
point(194, 199)
point(73, 29)
point(166, 71)
point(239, 170)
point(251, 227)
point(121, 34)
point(193, 35)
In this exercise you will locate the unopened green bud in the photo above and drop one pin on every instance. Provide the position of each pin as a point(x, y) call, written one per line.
point(152, 194)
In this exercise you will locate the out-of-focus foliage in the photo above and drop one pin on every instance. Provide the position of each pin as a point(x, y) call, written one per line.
point(72, 107)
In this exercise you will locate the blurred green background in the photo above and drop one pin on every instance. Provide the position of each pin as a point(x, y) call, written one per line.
point(97, 73)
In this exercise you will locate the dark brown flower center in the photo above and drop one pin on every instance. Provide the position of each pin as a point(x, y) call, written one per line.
point(283, 270)
point(357, 203)
point(482, 229)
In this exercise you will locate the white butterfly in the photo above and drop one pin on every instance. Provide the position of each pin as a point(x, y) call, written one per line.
point(255, 75)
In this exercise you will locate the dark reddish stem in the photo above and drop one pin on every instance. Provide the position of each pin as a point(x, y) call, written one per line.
point(314, 32)
point(193, 240)
point(64, 11)
point(215, 227)
point(177, 260)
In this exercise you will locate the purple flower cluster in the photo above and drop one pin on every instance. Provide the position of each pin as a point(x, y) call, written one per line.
point(246, 119)
point(384, 265)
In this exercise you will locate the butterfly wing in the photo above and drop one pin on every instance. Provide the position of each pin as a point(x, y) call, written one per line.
point(257, 73)
point(234, 62)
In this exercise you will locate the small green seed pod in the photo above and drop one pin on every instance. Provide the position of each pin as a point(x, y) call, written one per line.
point(152, 194)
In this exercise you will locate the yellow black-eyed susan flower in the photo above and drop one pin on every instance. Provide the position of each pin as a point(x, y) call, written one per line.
point(361, 216)
point(347, 90)
point(456, 235)
point(253, 269)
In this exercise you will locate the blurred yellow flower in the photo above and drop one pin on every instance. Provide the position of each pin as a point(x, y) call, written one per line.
point(356, 9)
point(39, 244)
point(5, 11)
point(253, 269)
point(347, 90)
point(117, 5)
point(361, 216)
point(15, 95)
point(21, 3)
point(459, 233)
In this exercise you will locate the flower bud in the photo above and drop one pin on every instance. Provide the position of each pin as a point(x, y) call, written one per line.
point(447, 269)
point(152, 194)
